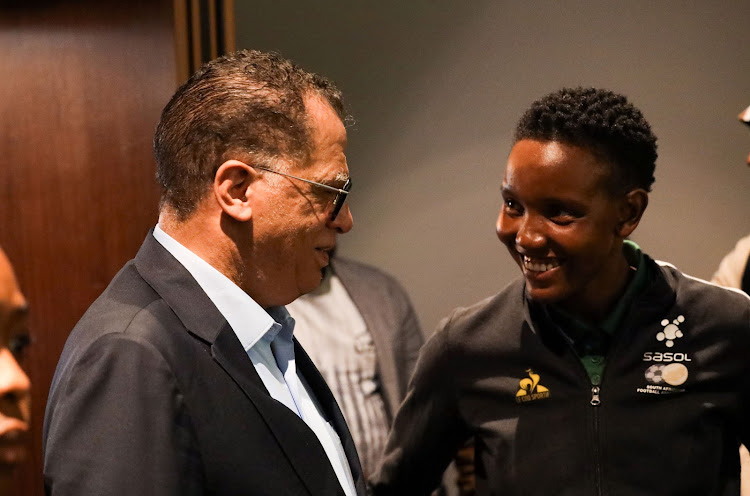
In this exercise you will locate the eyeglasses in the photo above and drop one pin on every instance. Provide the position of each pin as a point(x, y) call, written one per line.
point(338, 200)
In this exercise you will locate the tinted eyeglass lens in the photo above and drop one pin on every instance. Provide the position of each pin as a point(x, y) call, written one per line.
point(339, 200)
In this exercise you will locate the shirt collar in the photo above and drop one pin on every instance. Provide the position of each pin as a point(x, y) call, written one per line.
point(577, 330)
point(250, 321)
point(284, 327)
point(638, 283)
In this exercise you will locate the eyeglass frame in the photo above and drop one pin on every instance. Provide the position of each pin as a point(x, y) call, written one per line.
point(338, 200)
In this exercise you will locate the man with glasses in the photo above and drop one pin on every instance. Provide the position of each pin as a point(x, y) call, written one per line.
point(183, 377)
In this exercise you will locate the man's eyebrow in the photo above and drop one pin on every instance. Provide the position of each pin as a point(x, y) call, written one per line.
point(336, 181)
point(342, 176)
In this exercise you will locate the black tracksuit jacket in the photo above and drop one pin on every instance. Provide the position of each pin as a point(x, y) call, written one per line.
point(667, 418)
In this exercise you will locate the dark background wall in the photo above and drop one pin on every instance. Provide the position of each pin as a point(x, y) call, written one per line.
point(436, 88)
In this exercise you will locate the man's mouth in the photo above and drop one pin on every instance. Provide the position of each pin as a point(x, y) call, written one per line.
point(325, 252)
point(539, 265)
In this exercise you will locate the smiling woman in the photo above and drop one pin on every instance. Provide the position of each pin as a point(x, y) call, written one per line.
point(575, 187)
point(14, 384)
point(563, 228)
point(557, 371)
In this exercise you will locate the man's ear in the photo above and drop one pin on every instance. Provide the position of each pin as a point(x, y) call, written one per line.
point(233, 188)
point(633, 205)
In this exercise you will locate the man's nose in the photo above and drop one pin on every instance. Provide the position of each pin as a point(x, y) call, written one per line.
point(344, 221)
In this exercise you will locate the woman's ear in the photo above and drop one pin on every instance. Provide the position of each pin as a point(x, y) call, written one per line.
point(233, 188)
point(633, 205)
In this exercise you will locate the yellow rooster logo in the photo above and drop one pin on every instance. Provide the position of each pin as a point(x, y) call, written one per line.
point(530, 389)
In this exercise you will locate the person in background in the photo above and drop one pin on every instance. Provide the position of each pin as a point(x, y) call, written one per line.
point(734, 269)
point(362, 333)
point(600, 370)
point(15, 399)
point(184, 378)
point(734, 272)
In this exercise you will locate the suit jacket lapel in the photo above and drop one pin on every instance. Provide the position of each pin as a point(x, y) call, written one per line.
point(296, 439)
point(179, 290)
point(332, 412)
point(202, 319)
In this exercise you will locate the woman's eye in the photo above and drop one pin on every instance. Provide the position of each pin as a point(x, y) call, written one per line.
point(563, 217)
point(511, 206)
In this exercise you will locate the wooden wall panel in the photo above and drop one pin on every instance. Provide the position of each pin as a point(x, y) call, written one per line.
point(84, 83)
point(204, 30)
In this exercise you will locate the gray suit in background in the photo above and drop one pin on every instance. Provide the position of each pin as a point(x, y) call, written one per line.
point(390, 318)
point(362, 333)
point(393, 335)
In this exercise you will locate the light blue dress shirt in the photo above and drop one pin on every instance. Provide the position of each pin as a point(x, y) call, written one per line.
point(266, 336)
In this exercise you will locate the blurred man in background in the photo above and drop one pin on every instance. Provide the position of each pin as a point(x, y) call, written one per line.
point(734, 269)
point(361, 331)
point(734, 272)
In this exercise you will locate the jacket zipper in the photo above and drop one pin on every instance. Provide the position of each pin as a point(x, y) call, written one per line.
point(595, 402)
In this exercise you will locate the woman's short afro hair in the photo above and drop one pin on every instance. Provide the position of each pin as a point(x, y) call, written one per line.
point(601, 121)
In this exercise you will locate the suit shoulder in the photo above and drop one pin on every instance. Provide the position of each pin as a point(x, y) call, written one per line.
point(115, 309)
point(365, 282)
point(128, 307)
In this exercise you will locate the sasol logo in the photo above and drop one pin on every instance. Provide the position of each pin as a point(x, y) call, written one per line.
point(671, 331)
point(657, 356)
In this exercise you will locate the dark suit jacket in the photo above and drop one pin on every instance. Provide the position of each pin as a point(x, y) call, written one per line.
point(154, 395)
point(390, 318)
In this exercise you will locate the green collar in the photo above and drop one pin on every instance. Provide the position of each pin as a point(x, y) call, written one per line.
point(577, 329)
